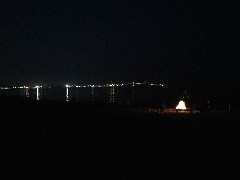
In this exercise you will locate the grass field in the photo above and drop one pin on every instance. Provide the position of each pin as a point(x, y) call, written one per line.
point(63, 140)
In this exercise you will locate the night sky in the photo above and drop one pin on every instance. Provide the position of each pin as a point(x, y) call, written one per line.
point(190, 44)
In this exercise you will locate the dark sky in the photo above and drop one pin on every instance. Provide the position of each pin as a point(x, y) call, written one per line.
point(188, 43)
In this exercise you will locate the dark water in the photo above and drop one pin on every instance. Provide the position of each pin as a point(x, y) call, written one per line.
point(109, 94)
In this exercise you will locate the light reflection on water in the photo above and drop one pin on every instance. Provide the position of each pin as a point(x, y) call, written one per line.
point(67, 94)
point(38, 94)
point(111, 94)
point(93, 93)
point(26, 92)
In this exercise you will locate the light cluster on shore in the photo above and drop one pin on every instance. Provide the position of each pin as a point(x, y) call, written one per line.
point(85, 86)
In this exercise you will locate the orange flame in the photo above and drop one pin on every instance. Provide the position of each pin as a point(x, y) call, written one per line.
point(181, 105)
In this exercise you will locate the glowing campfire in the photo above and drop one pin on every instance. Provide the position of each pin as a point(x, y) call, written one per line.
point(181, 105)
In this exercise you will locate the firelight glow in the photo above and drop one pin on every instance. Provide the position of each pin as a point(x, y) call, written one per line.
point(181, 105)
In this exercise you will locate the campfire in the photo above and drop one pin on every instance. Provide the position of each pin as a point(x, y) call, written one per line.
point(181, 105)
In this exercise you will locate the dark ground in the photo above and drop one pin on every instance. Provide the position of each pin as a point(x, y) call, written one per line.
point(50, 140)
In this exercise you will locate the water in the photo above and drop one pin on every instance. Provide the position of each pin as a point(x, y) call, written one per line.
point(112, 94)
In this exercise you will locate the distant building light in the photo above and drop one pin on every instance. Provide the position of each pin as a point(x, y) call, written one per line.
point(4, 88)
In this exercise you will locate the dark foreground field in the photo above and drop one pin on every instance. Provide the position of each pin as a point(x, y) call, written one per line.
point(50, 140)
